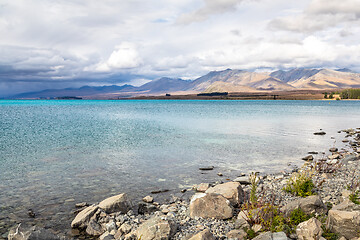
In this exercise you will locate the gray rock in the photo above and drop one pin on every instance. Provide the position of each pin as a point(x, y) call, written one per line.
point(309, 230)
point(230, 190)
point(206, 168)
point(271, 236)
point(333, 149)
point(308, 158)
point(242, 180)
point(83, 217)
point(310, 205)
point(346, 223)
point(203, 235)
point(144, 208)
point(148, 199)
point(350, 158)
point(210, 205)
point(346, 205)
point(156, 228)
point(202, 187)
point(94, 228)
point(118, 203)
point(236, 234)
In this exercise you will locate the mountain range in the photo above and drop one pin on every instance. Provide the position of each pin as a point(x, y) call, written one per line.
point(218, 81)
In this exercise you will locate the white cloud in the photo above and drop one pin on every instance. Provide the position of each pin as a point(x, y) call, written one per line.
point(134, 39)
point(320, 15)
point(211, 7)
point(125, 56)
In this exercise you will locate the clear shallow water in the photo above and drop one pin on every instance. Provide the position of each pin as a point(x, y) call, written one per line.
point(56, 153)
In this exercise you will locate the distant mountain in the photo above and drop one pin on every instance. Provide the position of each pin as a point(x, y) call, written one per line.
point(238, 80)
point(294, 74)
point(218, 81)
point(78, 92)
point(163, 85)
point(326, 79)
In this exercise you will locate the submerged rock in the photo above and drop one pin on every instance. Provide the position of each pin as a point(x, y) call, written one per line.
point(206, 168)
point(32, 233)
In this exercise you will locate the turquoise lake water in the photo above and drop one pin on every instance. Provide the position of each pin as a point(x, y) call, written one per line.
point(56, 153)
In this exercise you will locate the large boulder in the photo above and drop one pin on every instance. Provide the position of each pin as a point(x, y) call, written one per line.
point(346, 223)
point(203, 235)
point(118, 203)
point(83, 217)
point(31, 233)
point(309, 230)
point(210, 205)
point(231, 191)
point(156, 228)
point(310, 205)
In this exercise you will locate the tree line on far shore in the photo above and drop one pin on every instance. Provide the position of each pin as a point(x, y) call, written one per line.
point(344, 94)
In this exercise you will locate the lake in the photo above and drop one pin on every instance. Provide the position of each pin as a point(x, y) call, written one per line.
point(55, 153)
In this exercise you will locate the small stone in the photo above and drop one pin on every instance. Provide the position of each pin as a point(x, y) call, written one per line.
point(236, 234)
point(82, 204)
point(319, 133)
point(334, 149)
point(148, 199)
point(206, 168)
point(94, 228)
point(202, 187)
point(220, 174)
point(203, 235)
point(308, 158)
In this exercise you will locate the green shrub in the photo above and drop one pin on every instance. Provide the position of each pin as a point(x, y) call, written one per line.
point(250, 234)
point(298, 216)
point(354, 197)
point(301, 184)
point(328, 235)
point(254, 180)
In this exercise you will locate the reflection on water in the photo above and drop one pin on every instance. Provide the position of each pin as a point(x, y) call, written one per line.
point(55, 153)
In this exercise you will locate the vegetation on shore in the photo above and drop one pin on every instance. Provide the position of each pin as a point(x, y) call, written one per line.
point(353, 93)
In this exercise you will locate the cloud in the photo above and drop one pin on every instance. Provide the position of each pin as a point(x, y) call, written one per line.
point(319, 15)
point(125, 56)
point(211, 7)
point(52, 44)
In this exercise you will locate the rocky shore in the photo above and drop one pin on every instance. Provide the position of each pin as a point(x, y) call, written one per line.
point(317, 201)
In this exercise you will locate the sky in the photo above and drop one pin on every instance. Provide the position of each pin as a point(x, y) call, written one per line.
point(71, 43)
